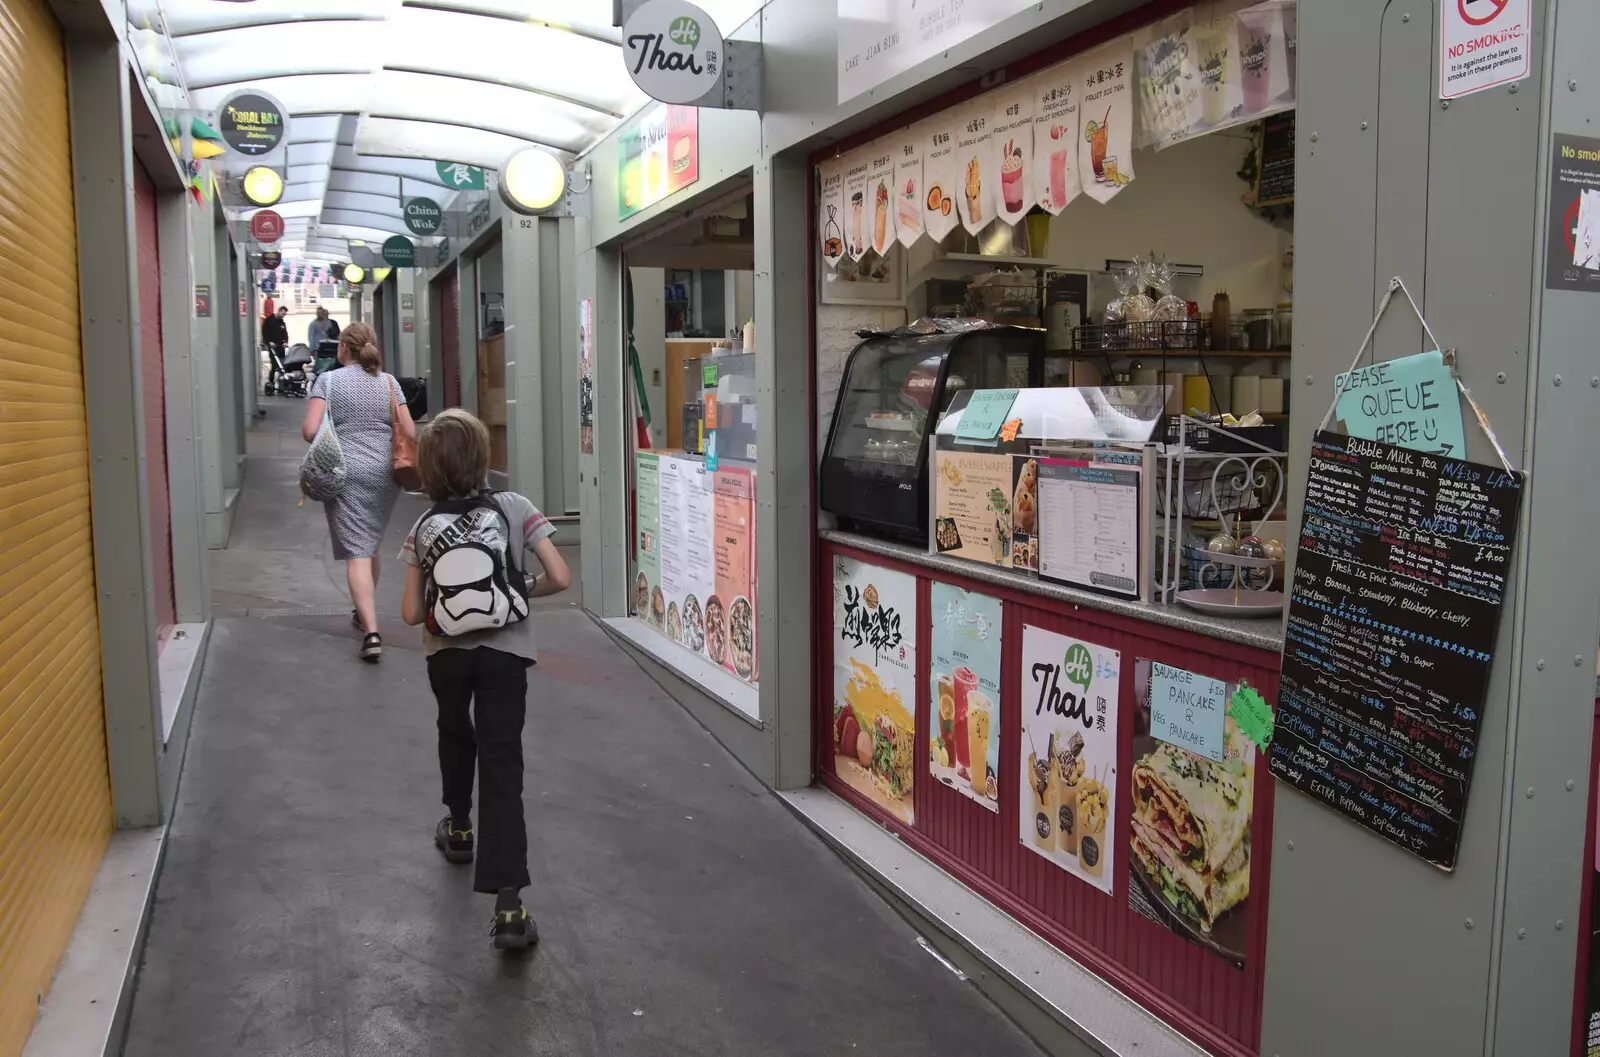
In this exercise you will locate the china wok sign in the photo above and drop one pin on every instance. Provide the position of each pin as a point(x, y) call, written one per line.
point(674, 50)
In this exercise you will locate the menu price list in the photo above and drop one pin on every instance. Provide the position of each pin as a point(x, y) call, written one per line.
point(1089, 524)
point(1392, 620)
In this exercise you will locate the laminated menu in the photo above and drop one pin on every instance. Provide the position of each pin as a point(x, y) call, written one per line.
point(1393, 613)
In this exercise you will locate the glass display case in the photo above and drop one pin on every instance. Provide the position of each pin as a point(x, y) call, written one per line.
point(874, 473)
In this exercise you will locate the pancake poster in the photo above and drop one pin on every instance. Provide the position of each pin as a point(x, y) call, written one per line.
point(964, 699)
point(1189, 834)
point(1069, 753)
point(875, 682)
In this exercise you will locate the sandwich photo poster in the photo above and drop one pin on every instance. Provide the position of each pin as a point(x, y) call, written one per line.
point(1193, 800)
point(1068, 791)
point(875, 682)
point(964, 699)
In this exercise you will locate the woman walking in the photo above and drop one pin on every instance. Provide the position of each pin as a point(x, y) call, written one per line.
point(363, 402)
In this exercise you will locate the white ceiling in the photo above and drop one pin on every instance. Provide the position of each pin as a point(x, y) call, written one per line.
point(378, 90)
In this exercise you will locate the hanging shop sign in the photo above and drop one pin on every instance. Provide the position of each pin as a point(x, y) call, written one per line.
point(423, 216)
point(269, 285)
point(964, 705)
point(875, 682)
point(1193, 791)
point(1069, 752)
point(1572, 238)
point(266, 226)
point(658, 155)
point(400, 251)
point(459, 176)
point(878, 41)
point(252, 123)
point(1069, 130)
point(1483, 43)
point(271, 259)
point(673, 50)
point(1392, 618)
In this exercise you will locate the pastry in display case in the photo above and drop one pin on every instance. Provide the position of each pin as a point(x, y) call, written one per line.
point(874, 473)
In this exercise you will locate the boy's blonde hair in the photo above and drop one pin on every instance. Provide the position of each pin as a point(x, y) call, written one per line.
point(453, 455)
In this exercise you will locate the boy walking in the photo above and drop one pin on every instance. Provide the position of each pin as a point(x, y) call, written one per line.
point(465, 560)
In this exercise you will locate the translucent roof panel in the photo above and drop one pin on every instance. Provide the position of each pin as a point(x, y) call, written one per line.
point(233, 56)
point(418, 139)
point(304, 94)
point(186, 17)
point(491, 107)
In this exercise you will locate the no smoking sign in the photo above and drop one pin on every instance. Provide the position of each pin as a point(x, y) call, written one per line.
point(1483, 43)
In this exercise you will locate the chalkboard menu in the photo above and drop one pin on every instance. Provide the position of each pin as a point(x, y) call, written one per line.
point(1275, 161)
point(1392, 616)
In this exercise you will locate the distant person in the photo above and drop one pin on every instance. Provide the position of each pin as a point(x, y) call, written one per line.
point(275, 329)
point(361, 399)
point(322, 328)
point(466, 578)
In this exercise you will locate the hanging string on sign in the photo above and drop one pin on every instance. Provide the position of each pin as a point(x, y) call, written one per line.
point(1449, 355)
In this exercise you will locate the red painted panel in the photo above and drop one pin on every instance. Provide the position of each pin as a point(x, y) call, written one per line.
point(450, 341)
point(153, 386)
point(1198, 993)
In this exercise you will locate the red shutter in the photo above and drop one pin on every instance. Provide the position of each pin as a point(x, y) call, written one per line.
point(450, 330)
point(152, 378)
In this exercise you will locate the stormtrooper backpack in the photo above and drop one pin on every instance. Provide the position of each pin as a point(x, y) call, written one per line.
point(473, 580)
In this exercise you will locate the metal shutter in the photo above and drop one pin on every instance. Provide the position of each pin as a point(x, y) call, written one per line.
point(153, 382)
point(450, 331)
point(55, 793)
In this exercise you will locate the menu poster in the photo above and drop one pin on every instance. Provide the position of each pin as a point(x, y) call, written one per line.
point(975, 174)
point(907, 187)
point(1069, 752)
point(1089, 524)
point(730, 611)
point(687, 545)
point(939, 175)
point(857, 227)
point(1189, 834)
point(1105, 144)
point(830, 217)
point(658, 155)
point(1025, 513)
point(880, 188)
point(1169, 81)
point(875, 682)
point(972, 506)
point(649, 603)
point(1393, 612)
point(1013, 153)
point(964, 725)
point(1055, 137)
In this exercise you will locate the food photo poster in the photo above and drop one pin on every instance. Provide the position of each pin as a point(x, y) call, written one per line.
point(1069, 752)
point(875, 682)
point(964, 702)
point(1189, 832)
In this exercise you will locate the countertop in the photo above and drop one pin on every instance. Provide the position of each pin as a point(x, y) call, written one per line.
point(1263, 633)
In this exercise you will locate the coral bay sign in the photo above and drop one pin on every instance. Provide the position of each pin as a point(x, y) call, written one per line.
point(674, 50)
point(423, 216)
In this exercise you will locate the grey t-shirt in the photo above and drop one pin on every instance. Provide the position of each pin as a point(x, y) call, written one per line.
point(528, 527)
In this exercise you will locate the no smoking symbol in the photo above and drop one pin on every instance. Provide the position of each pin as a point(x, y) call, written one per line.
point(1480, 12)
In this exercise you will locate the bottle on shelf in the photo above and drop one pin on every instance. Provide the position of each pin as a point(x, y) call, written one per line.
point(1220, 313)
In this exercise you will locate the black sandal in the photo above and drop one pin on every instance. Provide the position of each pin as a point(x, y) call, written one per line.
point(371, 646)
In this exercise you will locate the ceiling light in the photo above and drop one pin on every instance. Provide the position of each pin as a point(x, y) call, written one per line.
point(532, 181)
point(262, 185)
point(354, 273)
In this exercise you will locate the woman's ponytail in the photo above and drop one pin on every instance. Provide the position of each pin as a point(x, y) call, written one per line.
point(361, 346)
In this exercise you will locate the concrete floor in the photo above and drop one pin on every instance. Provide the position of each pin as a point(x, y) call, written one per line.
point(303, 910)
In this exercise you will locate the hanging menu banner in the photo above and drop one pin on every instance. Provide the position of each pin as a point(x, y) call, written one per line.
point(1392, 619)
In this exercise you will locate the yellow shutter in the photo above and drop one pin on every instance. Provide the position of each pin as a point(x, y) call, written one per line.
point(55, 795)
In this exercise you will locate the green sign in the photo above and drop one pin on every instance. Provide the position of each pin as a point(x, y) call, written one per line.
point(985, 413)
point(708, 374)
point(423, 216)
point(460, 177)
point(400, 252)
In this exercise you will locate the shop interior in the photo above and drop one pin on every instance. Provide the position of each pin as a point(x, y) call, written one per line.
point(690, 339)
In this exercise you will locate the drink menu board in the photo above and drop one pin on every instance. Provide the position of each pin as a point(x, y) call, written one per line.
point(1275, 162)
point(1089, 524)
point(1393, 612)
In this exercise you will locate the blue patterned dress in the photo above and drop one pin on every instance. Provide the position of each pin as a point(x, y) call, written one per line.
point(359, 404)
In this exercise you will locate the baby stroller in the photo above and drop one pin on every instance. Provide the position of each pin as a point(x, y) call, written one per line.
point(288, 375)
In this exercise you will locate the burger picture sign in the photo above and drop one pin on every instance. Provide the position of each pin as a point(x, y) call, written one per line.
point(674, 50)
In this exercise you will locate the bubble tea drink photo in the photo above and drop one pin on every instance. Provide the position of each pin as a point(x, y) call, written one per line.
point(1214, 59)
point(966, 684)
point(1045, 782)
point(1255, 61)
point(980, 715)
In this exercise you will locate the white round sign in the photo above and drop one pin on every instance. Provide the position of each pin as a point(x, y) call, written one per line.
point(673, 50)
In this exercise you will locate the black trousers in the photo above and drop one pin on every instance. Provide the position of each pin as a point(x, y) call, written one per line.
point(483, 699)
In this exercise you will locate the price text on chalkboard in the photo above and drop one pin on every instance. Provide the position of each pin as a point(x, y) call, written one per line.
point(1392, 616)
point(1275, 165)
